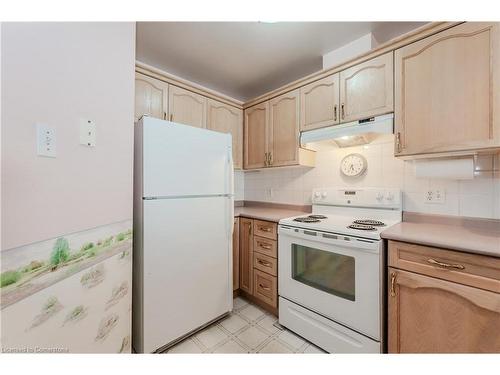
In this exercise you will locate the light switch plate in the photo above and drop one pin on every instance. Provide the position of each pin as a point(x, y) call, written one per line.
point(87, 133)
point(45, 141)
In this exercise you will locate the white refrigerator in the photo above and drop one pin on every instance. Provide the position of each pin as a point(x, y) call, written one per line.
point(183, 225)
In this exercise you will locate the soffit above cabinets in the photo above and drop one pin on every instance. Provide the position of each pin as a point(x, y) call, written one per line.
point(246, 59)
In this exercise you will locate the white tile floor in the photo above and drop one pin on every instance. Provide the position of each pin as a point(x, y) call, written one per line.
point(248, 329)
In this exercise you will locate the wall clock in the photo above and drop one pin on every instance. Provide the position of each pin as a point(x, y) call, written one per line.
point(353, 165)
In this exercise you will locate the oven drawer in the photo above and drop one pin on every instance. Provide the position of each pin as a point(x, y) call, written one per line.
point(475, 270)
point(266, 264)
point(265, 229)
point(265, 287)
point(265, 246)
point(323, 332)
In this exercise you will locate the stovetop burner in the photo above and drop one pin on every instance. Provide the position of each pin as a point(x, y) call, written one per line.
point(306, 219)
point(361, 227)
point(317, 216)
point(370, 222)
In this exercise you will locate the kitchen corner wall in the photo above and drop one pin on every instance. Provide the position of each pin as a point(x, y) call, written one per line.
point(479, 197)
point(66, 221)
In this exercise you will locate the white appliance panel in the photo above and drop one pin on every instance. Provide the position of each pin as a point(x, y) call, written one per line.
point(187, 266)
point(361, 314)
point(332, 337)
point(181, 160)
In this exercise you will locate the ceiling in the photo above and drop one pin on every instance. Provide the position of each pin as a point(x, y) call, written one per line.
point(246, 59)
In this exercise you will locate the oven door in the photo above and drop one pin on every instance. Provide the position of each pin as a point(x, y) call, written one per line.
point(336, 276)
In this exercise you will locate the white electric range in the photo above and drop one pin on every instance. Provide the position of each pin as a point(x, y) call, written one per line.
point(331, 268)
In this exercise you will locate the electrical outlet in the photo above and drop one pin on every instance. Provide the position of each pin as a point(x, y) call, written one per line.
point(45, 141)
point(435, 196)
point(87, 133)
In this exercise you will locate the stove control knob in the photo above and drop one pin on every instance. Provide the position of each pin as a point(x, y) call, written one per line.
point(323, 194)
point(317, 194)
point(390, 197)
point(380, 197)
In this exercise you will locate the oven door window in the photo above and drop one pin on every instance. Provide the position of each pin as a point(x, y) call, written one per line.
point(330, 272)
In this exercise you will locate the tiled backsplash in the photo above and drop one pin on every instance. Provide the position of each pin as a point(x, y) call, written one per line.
point(479, 197)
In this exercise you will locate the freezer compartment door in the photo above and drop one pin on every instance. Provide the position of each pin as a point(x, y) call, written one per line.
point(187, 266)
point(181, 160)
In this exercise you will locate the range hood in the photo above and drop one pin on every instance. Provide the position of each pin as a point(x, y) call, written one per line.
point(352, 133)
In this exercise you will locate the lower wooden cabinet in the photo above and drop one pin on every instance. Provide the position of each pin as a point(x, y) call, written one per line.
point(438, 313)
point(246, 255)
point(258, 263)
point(236, 254)
point(265, 287)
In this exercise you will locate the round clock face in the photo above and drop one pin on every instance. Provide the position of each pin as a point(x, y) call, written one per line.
point(353, 165)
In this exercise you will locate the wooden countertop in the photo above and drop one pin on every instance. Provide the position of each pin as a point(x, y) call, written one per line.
point(269, 212)
point(479, 236)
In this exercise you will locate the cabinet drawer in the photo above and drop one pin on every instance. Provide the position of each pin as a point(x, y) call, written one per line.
point(266, 264)
point(475, 270)
point(265, 229)
point(265, 246)
point(265, 288)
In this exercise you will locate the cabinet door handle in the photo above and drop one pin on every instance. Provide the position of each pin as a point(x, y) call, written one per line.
point(264, 246)
point(164, 115)
point(265, 229)
point(342, 109)
point(264, 262)
point(264, 287)
point(171, 117)
point(445, 265)
point(398, 142)
point(335, 112)
point(249, 230)
point(393, 284)
point(270, 158)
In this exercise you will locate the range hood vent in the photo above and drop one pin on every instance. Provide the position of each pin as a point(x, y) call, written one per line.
point(352, 133)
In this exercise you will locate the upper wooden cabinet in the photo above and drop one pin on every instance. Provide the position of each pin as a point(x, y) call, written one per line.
point(272, 134)
point(319, 103)
point(186, 107)
point(151, 97)
point(447, 91)
point(366, 89)
point(227, 119)
point(283, 146)
point(255, 138)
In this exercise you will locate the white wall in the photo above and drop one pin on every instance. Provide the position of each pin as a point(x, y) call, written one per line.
point(477, 198)
point(350, 50)
point(239, 185)
point(58, 73)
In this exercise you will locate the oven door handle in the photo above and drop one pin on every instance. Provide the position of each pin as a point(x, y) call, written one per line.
point(330, 238)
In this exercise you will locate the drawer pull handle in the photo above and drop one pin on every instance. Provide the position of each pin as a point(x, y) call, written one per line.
point(445, 265)
point(264, 287)
point(265, 229)
point(393, 284)
point(264, 246)
point(264, 262)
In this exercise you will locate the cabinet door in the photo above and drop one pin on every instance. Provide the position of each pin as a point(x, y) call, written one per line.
point(366, 89)
point(186, 107)
point(151, 97)
point(284, 129)
point(236, 254)
point(246, 255)
point(447, 87)
point(429, 315)
point(319, 103)
point(256, 124)
point(227, 119)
